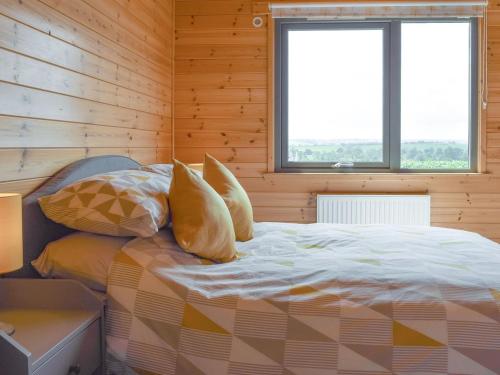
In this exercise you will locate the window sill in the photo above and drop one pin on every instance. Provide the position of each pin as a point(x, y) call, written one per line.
point(379, 174)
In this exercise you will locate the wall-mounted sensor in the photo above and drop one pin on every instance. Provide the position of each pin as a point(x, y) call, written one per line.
point(257, 21)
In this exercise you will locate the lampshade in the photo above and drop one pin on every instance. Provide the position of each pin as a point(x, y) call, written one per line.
point(11, 233)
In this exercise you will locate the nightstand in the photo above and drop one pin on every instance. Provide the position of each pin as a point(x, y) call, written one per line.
point(58, 328)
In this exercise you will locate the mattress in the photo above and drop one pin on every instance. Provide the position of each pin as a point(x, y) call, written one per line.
point(309, 299)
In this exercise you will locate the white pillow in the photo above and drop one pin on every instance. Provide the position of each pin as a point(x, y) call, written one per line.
point(166, 169)
point(163, 169)
point(81, 256)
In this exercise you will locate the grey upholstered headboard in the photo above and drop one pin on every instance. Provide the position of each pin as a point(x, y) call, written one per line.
point(38, 231)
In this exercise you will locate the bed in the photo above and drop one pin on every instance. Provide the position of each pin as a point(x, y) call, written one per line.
point(301, 299)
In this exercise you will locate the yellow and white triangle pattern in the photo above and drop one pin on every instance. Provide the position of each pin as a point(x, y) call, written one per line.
point(161, 322)
point(123, 203)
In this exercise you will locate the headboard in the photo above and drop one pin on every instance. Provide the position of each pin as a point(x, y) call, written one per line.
point(38, 231)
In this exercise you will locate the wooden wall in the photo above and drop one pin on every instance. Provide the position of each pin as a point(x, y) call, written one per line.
point(90, 77)
point(223, 69)
point(80, 78)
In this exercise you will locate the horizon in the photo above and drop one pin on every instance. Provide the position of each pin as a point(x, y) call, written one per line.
point(333, 141)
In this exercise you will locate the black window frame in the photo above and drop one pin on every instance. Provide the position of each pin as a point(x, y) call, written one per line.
point(392, 95)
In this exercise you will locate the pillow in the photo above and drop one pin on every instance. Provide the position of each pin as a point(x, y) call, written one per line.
point(166, 169)
point(81, 256)
point(235, 197)
point(200, 219)
point(163, 169)
point(122, 203)
point(197, 168)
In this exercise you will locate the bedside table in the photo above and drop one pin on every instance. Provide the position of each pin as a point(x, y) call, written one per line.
point(58, 328)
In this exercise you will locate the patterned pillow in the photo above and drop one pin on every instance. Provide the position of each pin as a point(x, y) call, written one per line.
point(122, 203)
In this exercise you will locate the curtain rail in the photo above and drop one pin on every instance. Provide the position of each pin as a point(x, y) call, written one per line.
point(377, 4)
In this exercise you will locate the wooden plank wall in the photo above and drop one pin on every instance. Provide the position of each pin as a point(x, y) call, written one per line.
point(80, 78)
point(221, 106)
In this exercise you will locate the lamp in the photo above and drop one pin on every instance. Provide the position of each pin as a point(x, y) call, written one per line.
point(11, 239)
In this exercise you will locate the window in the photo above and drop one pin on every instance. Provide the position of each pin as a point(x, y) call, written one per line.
point(392, 95)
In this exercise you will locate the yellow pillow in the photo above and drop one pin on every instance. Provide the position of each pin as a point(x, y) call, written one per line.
point(85, 257)
point(121, 203)
point(200, 219)
point(224, 183)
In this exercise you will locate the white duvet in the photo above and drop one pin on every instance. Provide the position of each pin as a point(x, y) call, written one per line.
point(310, 299)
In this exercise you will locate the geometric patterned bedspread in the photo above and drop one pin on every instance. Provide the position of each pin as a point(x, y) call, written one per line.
point(312, 299)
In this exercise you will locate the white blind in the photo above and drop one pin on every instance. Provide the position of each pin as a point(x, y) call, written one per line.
point(350, 10)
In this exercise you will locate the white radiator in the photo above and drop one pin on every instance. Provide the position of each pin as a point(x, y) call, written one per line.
point(374, 209)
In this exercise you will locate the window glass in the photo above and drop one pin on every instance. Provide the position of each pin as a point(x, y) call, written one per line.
point(435, 95)
point(335, 108)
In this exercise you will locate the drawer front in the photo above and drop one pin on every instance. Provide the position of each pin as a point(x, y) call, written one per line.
point(80, 356)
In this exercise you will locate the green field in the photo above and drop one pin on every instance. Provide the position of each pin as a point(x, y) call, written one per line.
point(414, 155)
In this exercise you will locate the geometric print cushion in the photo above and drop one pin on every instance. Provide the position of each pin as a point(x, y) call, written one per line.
point(122, 203)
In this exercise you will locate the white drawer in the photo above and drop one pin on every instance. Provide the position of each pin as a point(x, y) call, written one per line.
point(82, 355)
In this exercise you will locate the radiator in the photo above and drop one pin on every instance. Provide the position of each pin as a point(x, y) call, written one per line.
point(374, 209)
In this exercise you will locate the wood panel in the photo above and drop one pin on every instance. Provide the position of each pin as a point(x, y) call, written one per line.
point(40, 162)
point(224, 106)
point(43, 34)
point(83, 78)
point(19, 69)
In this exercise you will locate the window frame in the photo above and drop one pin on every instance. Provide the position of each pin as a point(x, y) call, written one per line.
point(391, 95)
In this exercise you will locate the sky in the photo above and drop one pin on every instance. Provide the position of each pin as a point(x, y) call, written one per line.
point(336, 83)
